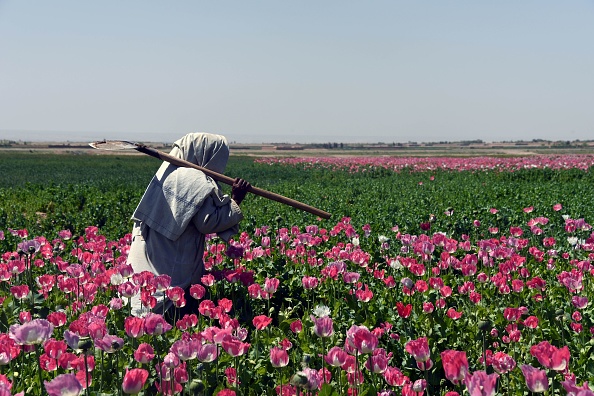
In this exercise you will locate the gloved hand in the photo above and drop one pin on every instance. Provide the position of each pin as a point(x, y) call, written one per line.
point(239, 190)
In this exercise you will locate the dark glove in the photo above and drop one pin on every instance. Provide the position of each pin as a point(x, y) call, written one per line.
point(239, 190)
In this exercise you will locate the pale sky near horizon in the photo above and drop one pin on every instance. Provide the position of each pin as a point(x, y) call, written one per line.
point(297, 71)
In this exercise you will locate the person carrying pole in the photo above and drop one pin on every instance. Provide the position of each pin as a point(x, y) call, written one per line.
point(179, 208)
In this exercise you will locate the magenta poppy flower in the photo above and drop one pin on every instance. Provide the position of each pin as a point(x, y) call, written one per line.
point(260, 322)
point(175, 293)
point(579, 302)
point(551, 357)
point(54, 348)
point(144, 353)
point(279, 357)
point(155, 324)
point(109, 343)
point(481, 383)
point(208, 280)
point(502, 362)
point(134, 380)
point(57, 318)
point(360, 338)
point(20, 291)
point(197, 291)
point(453, 314)
point(455, 365)
point(309, 282)
point(234, 347)
point(296, 326)
point(378, 361)
point(395, 377)
point(271, 285)
point(336, 356)
point(134, 326)
point(536, 380)
point(63, 385)
point(419, 349)
point(226, 392)
point(207, 308)
point(34, 332)
point(364, 294)
point(207, 352)
point(323, 327)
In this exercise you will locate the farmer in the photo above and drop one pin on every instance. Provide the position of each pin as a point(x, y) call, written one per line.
point(179, 207)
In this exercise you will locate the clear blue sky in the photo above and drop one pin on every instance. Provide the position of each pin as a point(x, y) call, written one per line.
point(297, 71)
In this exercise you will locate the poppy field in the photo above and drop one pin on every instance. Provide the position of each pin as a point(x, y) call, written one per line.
point(434, 276)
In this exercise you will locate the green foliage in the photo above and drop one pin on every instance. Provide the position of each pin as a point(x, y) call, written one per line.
point(46, 193)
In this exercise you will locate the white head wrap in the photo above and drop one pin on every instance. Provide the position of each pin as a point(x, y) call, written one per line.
point(174, 195)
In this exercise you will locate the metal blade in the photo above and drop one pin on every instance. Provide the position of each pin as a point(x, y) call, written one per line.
point(113, 145)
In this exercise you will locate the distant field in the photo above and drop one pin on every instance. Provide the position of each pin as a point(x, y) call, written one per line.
point(338, 150)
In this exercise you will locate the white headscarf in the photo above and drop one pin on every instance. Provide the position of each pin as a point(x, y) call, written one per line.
point(175, 194)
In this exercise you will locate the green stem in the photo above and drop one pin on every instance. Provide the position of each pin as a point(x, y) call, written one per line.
point(39, 370)
point(86, 373)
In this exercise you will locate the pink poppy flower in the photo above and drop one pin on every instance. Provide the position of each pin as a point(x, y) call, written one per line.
point(573, 390)
point(309, 282)
point(308, 379)
point(536, 380)
point(579, 302)
point(57, 318)
point(531, 322)
point(171, 360)
point(63, 385)
point(502, 362)
point(175, 293)
point(134, 380)
point(394, 377)
point(54, 348)
point(378, 361)
point(364, 295)
point(551, 357)
point(419, 349)
point(296, 326)
point(260, 322)
point(360, 338)
point(323, 327)
point(155, 324)
point(453, 314)
point(161, 282)
point(197, 291)
point(481, 384)
point(34, 332)
point(20, 291)
point(208, 280)
point(144, 353)
point(207, 308)
point(271, 285)
point(336, 356)
point(234, 347)
point(279, 357)
point(207, 352)
point(455, 365)
point(184, 349)
point(134, 326)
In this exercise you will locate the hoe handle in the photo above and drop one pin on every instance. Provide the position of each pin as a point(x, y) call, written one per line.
point(227, 180)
